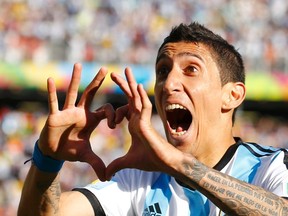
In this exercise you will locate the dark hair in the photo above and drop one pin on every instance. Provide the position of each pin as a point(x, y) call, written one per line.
point(227, 58)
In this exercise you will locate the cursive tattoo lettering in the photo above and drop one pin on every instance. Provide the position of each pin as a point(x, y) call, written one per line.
point(233, 196)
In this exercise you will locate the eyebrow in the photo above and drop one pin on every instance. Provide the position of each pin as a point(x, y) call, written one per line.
point(181, 54)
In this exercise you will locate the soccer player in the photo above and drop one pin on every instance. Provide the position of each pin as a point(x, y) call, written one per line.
point(199, 169)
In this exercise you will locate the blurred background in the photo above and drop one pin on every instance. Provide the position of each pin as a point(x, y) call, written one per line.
point(44, 38)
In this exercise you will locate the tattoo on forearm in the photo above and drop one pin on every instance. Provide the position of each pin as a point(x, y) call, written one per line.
point(243, 198)
point(51, 198)
point(195, 170)
point(232, 195)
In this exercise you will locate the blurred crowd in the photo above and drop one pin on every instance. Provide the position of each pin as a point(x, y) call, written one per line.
point(130, 31)
point(126, 31)
point(19, 129)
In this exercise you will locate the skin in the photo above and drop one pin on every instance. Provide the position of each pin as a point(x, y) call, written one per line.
point(66, 136)
point(185, 74)
point(175, 83)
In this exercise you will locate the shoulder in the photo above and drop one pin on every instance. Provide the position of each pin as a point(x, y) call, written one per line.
point(272, 169)
point(262, 151)
point(125, 187)
point(268, 161)
point(75, 203)
point(252, 161)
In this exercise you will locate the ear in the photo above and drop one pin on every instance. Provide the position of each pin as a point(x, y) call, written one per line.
point(233, 94)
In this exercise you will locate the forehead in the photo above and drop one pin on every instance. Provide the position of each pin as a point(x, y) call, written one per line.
point(179, 49)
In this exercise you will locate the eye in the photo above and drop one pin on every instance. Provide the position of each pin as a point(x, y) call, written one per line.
point(162, 71)
point(191, 69)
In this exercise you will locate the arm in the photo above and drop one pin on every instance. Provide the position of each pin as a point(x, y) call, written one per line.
point(231, 195)
point(46, 191)
point(65, 136)
point(47, 197)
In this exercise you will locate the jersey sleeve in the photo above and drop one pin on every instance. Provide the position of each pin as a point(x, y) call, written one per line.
point(276, 175)
point(97, 208)
point(122, 195)
point(114, 196)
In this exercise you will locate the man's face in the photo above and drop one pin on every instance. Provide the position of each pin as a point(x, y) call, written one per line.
point(188, 94)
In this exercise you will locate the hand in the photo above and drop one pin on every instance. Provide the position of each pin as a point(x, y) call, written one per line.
point(148, 151)
point(66, 132)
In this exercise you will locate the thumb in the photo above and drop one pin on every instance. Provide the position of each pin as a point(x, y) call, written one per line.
point(121, 113)
point(106, 111)
point(115, 166)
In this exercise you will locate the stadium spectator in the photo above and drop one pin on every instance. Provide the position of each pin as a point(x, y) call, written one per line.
point(199, 169)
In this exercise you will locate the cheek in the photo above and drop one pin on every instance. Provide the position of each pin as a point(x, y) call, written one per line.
point(206, 101)
point(157, 95)
point(158, 107)
point(158, 103)
point(209, 108)
point(157, 99)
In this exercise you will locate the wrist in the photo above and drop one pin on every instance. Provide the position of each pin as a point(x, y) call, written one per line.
point(45, 163)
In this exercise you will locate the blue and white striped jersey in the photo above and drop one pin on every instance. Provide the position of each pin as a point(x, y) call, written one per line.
point(136, 192)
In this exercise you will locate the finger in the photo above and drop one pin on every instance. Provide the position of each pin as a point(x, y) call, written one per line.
point(121, 113)
point(107, 111)
point(133, 88)
point(146, 103)
point(122, 83)
point(131, 80)
point(97, 164)
point(115, 166)
point(52, 96)
point(92, 88)
point(72, 93)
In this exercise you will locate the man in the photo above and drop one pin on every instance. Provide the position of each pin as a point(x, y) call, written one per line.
point(200, 169)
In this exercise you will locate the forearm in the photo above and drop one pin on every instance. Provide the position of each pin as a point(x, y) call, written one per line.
point(40, 194)
point(231, 195)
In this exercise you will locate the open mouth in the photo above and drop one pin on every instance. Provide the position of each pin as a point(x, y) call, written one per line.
point(179, 119)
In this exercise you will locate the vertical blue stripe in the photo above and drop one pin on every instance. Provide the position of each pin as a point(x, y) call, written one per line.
point(198, 204)
point(245, 165)
point(160, 193)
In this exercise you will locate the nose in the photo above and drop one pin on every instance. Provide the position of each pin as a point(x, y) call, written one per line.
point(172, 83)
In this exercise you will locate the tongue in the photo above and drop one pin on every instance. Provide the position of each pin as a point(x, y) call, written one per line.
point(179, 129)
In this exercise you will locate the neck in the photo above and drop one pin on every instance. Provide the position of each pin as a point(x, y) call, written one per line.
point(214, 151)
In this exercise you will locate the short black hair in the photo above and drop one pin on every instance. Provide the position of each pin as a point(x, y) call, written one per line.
point(227, 58)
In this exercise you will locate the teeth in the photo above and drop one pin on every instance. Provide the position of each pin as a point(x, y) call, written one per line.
point(174, 132)
point(175, 106)
point(172, 107)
